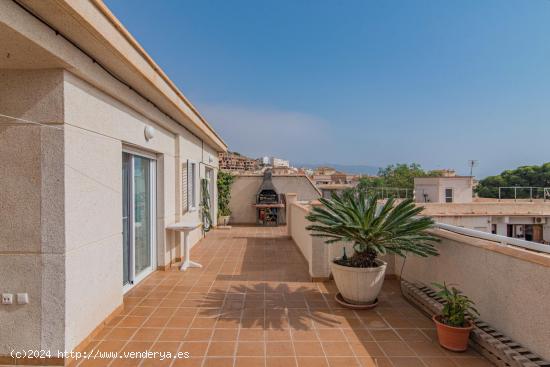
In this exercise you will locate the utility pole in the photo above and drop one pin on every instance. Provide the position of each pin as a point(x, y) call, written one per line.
point(472, 163)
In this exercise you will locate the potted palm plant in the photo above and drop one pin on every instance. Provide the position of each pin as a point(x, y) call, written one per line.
point(373, 229)
point(453, 324)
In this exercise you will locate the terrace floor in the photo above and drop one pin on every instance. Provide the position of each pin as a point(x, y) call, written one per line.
point(252, 304)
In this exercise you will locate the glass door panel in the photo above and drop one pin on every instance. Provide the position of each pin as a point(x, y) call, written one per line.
point(138, 202)
point(142, 214)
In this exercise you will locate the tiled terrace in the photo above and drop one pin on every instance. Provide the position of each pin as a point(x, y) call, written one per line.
point(252, 304)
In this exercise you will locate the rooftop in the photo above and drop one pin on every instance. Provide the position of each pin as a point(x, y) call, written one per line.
point(253, 304)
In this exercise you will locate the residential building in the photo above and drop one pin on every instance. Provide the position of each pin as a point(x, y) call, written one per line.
point(443, 189)
point(450, 200)
point(100, 153)
point(231, 161)
point(274, 162)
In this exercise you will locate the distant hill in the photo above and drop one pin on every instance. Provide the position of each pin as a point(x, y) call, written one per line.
point(347, 168)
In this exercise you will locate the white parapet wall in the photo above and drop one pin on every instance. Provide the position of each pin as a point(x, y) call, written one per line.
point(510, 285)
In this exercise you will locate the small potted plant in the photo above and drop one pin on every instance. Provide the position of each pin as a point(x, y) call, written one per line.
point(373, 229)
point(454, 324)
point(224, 182)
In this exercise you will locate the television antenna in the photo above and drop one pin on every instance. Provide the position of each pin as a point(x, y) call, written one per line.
point(472, 163)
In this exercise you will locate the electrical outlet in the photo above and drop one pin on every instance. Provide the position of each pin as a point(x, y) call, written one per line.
point(7, 298)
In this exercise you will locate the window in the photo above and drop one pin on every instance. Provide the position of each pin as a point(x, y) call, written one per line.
point(192, 185)
point(448, 195)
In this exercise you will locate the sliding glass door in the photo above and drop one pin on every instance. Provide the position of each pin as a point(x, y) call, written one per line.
point(138, 199)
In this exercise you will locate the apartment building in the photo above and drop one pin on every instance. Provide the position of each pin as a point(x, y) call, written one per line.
point(450, 200)
point(100, 153)
point(232, 161)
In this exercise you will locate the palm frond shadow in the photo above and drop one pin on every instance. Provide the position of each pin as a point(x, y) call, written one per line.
point(269, 307)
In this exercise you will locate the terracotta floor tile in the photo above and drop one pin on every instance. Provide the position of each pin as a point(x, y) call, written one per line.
point(147, 334)
point(172, 334)
point(190, 362)
point(374, 361)
point(438, 362)
point(198, 334)
point(218, 362)
point(250, 362)
point(284, 362)
point(304, 335)
point(279, 349)
point(110, 345)
point(161, 346)
point(152, 362)
point(366, 348)
point(309, 348)
point(195, 349)
point(343, 362)
point(221, 349)
point(251, 334)
point(471, 362)
point(251, 349)
point(330, 335)
point(427, 348)
point(119, 333)
point(155, 322)
point(337, 349)
point(254, 293)
point(137, 346)
point(277, 335)
point(225, 334)
point(396, 349)
point(312, 361)
point(413, 335)
point(406, 362)
point(203, 323)
point(384, 335)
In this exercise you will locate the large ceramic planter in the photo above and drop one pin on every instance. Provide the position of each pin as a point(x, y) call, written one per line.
point(359, 286)
point(223, 220)
point(452, 338)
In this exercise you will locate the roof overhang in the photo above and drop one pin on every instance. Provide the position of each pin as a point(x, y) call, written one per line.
point(96, 31)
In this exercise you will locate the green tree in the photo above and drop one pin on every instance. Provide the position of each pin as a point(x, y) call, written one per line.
point(225, 180)
point(535, 176)
point(400, 175)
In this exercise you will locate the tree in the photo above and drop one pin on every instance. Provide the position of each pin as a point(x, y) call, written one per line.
point(225, 180)
point(534, 176)
point(400, 175)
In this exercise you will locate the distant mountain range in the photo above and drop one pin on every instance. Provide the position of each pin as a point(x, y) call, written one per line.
point(347, 168)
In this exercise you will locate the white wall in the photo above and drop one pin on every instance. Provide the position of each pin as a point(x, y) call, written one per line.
point(245, 189)
point(98, 127)
point(435, 187)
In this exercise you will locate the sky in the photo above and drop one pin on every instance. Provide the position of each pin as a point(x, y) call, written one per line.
point(361, 82)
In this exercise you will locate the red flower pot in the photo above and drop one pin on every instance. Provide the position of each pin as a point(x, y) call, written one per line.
point(452, 338)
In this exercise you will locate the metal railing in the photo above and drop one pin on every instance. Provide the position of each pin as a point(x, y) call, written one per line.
point(395, 192)
point(502, 240)
point(531, 189)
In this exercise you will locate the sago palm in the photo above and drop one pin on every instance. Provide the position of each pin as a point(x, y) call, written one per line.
point(373, 229)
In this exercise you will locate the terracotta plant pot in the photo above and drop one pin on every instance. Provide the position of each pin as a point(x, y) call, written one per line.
point(452, 338)
point(359, 286)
